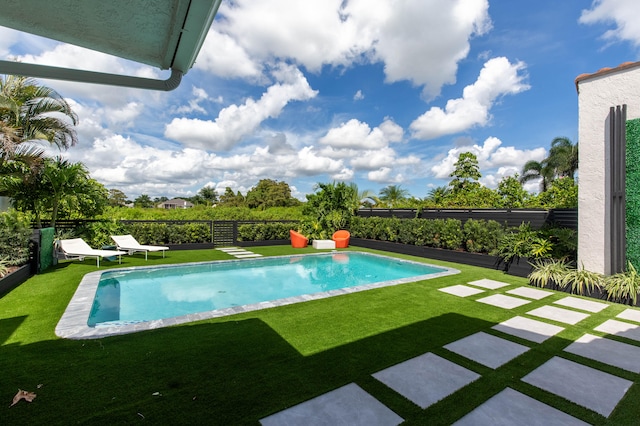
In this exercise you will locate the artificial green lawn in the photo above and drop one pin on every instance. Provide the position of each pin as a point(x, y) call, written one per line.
point(239, 369)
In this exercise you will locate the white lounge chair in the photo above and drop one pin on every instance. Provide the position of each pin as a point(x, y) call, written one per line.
point(131, 245)
point(77, 248)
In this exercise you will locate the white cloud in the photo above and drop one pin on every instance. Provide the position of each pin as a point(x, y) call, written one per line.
point(355, 134)
point(422, 41)
point(237, 122)
point(223, 56)
point(623, 13)
point(406, 36)
point(358, 96)
point(383, 175)
point(199, 95)
point(497, 78)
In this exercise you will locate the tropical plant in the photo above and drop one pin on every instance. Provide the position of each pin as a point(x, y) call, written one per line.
point(562, 161)
point(32, 112)
point(15, 232)
point(563, 157)
point(209, 194)
point(516, 243)
point(548, 272)
point(534, 170)
point(582, 281)
point(624, 286)
point(512, 194)
point(4, 267)
point(143, 201)
point(393, 195)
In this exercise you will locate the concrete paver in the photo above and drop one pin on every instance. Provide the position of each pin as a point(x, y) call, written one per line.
point(530, 293)
point(345, 406)
point(558, 314)
point(461, 290)
point(502, 301)
point(490, 284)
point(528, 329)
point(511, 407)
point(620, 328)
point(629, 314)
point(586, 386)
point(585, 305)
point(426, 379)
point(607, 351)
point(487, 349)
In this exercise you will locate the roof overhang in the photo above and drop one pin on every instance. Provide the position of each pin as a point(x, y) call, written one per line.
point(166, 34)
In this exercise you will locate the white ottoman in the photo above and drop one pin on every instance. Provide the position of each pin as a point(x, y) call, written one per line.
point(324, 244)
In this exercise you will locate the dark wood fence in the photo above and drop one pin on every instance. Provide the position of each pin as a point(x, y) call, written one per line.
point(537, 218)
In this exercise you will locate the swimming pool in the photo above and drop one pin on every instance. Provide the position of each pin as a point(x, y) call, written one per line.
point(127, 300)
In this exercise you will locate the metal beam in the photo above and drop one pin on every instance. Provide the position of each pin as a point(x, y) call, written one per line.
point(58, 73)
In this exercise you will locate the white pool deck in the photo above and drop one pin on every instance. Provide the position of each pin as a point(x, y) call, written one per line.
point(74, 322)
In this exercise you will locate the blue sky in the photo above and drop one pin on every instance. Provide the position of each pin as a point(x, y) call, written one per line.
point(368, 91)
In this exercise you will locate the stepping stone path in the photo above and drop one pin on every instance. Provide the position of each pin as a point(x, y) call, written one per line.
point(586, 386)
point(490, 284)
point(486, 349)
point(530, 293)
point(629, 314)
point(528, 329)
point(558, 314)
point(240, 253)
point(584, 305)
point(348, 405)
point(502, 301)
point(607, 351)
point(426, 379)
point(619, 328)
point(429, 378)
point(461, 290)
point(511, 407)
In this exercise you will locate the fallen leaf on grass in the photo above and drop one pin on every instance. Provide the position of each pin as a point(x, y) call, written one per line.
point(22, 394)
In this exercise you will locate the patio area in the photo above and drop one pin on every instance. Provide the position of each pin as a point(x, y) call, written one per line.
point(479, 347)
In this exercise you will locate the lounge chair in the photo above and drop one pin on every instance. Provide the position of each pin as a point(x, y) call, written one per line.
point(77, 248)
point(297, 239)
point(131, 245)
point(341, 238)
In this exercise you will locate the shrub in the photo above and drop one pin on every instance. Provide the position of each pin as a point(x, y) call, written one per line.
point(582, 281)
point(549, 273)
point(624, 287)
point(15, 233)
point(482, 236)
point(265, 231)
point(98, 234)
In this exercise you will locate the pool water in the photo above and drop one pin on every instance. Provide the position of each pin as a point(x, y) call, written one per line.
point(145, 294)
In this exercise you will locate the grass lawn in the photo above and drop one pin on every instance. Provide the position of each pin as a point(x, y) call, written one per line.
point(239, 369)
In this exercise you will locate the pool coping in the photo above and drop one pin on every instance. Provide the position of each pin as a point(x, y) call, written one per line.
point(74, 321)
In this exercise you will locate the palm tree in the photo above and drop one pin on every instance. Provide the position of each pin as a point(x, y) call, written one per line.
point(63, 179)
point(533, 170)
point(438, 195)
point(562, 161)
point(563, 157)
point(30, 112)
point(392, 195)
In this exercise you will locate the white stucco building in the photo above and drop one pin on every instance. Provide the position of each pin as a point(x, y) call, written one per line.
point(597, 93)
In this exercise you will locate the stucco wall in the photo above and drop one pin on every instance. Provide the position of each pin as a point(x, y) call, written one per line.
point(596, 95)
